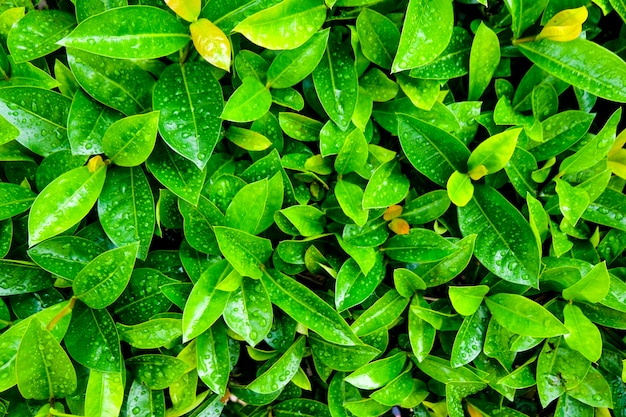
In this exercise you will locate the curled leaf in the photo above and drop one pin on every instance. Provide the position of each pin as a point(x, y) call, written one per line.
point(565, 25)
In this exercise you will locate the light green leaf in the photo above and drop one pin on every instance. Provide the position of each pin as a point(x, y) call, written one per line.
point(592, 287)
point(379, 37)
point(64, 202)
point(350, 199)
point(64, 256)
point(248, 103)
point(129, 141)
point(157, 371)
point(14, 199)
point(152, 334)
point(353, 286)
point(453, 62)
point(103, 280)
point(148, 402)
point(419, 245)
point(353, 154)
point(460, 188)
point(247, 139)
point(340, 357)
point(286, 25)
point(381, 314)
point(378, 373)
point(198, 222)
point(43, 368)
point(213, 357)
point(425, 34)
point(484, 59)
point(583, 335)
point(582, 63)
point(105, 394)
point(249, 311)
point(37, 33)
point(268, 197)
point(135, 32)
point(493, 153)
point(524, 13)
point(466, 300)
point(387, 186)
point(468, 342)
point(304, 306)
point(190, 102)
point(245, 252)
point(524, 316)
point(280, 372)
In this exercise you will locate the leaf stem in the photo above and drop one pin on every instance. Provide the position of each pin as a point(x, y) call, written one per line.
point(524, 40)
point(66, 310)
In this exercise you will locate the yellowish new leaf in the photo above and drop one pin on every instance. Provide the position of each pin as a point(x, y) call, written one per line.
point(211, 43)
point(186, 9)
point(565, 25)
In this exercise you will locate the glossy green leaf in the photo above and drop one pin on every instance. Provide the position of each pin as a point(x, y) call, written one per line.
point(43, 368)
point(286, 25)
point(378, 373)
point(104, 395)
point(524, 13)
point(25, 73)
point(64, 202)
point(336, 83)
point(249, 311)
point(126, 208)
point(280, 372)
point(292, 66)
point(35, 111)
point(304, 306)
point(386, 187)
point(268, 196)
point(136, 32)
point(583, 335)
point(302, 407)
point(248, 103)
point(190, 102)
point(103, 280)
point(213, 358)
point(468, 342)
point(592, 287)
point(466, 300)
point(420, 245)
point(129, 141)
point(37, 34)
point(206, 302)
point(353, 153)
point(379, 37)
point(245, 252)
point(484, 59)
point(493, 153)
point(157, 371)
point(339, 357)
point(460, 189)
point(353, 286)
point(524, 316)
point(151, 334)
point(350, 199)
point(247, 139)
point(176, 173)
point(198, 224)
point(87, 122)
point(307, 220)
point(145, 401)
point(381, 314)
point(603, 73)
point(118, 83)
point(86, 8)
point(143, 297)
point(211, 43)
point(425, 34)
point(299, 127)
point(445, 152)
point(14, 200)
point(505, 243)
point(452, 62)
point(407, 282)
point(102, 352)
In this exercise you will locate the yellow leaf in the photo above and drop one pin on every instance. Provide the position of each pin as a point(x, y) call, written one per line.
point(392, 212)
point(473, 412)
point(95, 163)
point(211, 43)
point(399, 226)
point(620, 140)
point(187, 9)
point(565, 26)
point(478, 172)
point(617, 163)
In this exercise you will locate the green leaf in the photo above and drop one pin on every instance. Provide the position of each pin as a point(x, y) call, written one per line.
point(87, 122)
point(129, 141)
point(420, 245)
point(493, 153)
point(583, 335)
point(103, 352)
point(118, 83)
point(353, 153)
point(466, 300)
point(247, 139)
point(248, 103)
point(143, 297)
point(198, 224)
point(103, 280)
point(301, 407)
point(378, 373)
point(407, 282)
point(524, 13)
point(152, 334)
point(105, 394)
point(484, 59)
point(145, 400)
point(468, 342)
point(425, 34)
point(379, 37)
point(176, 173)
point(39, 115)
point(432, 151)
point(213, 358)
point(135, 32)
point(582, 63)
point(86, 8)
point(268, 197)
point(453, 62)
point(381, 314)
point(64, 256)
point(249, 311)
point(43, 368)
point(592, 287)
point(37, 34)
point(157, 371)
point(292, 66)
point(505, 242)
point(340, 357)
point(245, 252)
point(524, 316)
point(460, 188)
point(198, 315)
point(190, 102)
point(281, 371)
point(64, 202)
point(387, 186)
point(286, 25)
point(14, 200)
point(126, 208)
point(350, 199)
point(307, 220)
point(336, 83)
point(305, 307)
point(353, 286)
